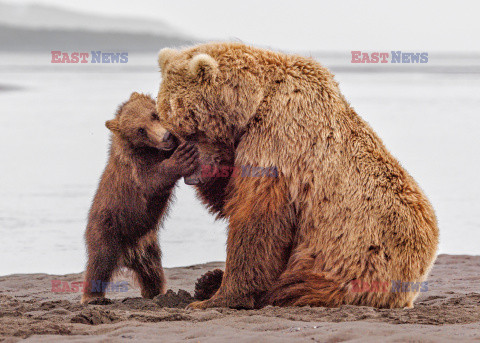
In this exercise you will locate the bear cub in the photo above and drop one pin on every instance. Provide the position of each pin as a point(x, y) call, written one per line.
point(132, 199)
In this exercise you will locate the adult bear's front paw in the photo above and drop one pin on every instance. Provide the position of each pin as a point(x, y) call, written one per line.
point(198, 305)
point(245, 302)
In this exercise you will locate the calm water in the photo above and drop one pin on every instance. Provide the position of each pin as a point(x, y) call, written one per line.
point(54, 144)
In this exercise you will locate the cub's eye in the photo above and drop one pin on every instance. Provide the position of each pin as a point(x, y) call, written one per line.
point(155, 116)
point(142, 131)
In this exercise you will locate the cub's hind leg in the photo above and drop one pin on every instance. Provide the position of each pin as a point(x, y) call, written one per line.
point(103, 259)
point(145, 261)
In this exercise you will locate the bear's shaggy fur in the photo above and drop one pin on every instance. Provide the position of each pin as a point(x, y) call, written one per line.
point(132, 198)
point(342, 209)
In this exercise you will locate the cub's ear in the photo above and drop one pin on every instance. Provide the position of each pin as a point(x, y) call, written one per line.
point(203, 66)
point(113, 125)
point(164, 56)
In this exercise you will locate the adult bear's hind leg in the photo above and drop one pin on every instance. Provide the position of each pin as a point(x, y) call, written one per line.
point(299, 285)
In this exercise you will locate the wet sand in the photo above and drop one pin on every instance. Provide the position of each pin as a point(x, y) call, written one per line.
point(449, 310)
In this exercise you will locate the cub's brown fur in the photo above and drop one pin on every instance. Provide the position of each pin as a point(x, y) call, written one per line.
point(133, 196)
point(342, 208)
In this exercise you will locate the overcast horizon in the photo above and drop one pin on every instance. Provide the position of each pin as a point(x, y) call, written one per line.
point(306, 25)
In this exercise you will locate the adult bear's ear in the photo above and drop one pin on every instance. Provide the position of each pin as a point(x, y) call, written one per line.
point(203, 66)
point(113, 125)
point(164, 56)
point(135, 95)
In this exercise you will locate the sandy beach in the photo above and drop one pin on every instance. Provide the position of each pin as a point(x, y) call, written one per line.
point(449, 310)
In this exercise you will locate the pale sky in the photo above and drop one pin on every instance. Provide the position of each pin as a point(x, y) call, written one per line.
point(373, 25)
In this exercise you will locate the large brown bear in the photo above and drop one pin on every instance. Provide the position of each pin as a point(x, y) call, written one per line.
point(132, 198)
point(342, 211)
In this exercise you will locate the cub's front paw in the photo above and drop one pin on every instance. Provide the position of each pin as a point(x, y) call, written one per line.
point(184, 160)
